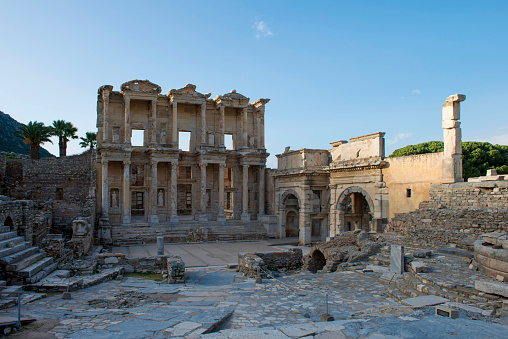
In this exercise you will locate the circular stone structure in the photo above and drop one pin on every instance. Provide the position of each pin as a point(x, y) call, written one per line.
point(491, 254)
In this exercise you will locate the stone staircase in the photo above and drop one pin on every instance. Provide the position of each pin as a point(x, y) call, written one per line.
point(20, 262)
point(8, 295)
point(187, 231)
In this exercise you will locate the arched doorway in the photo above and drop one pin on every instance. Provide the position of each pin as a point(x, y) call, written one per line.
point(8, 222)
point(289, 209)
point(316, 261)
point(355, 210)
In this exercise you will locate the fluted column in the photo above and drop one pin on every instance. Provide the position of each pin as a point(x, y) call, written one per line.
point(105, 189)
point(127, 119)
point(173, 192)
point(244, 128)
point(221, 215)
point(222, 128)
point(152, 200)
point(174, 138)
point(105, 113)
point(203, 124)
point(126, 218)
point(245, 194)
point(261, 195)
point(153, 123)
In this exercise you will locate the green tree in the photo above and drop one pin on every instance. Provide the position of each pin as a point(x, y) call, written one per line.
point(90, 140)
point(63, 130)
point(34, 134)
point(477, 157)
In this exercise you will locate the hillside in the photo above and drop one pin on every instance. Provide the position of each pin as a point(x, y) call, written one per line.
point(10, 143)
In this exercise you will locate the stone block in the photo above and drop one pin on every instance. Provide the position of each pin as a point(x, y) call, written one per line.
point(397, 259)
point(422, 253)
point(424, 301)
point(446, 311)
point(501, 278)
point(419, 267)
point(111, 260)
point(492, 288)
point(160, 246)
point(176, 269)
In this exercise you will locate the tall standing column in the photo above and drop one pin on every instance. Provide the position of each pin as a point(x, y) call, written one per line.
point(333, 197)
point(258, 129)
point(105, 189)
point(244, 128)
point(173, 192)
point(245, 194)
point(221, 216)
point(203, 124)
point(174, 138)
point(262, 129)
point(126, 218)
point(222, 128)
point(452, 158)
point(127, 119)
point(153, 122)
point(105, 113)
point(261, 195)
point(152, 200)
point(202, 216)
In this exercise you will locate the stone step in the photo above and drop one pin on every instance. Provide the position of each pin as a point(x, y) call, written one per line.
point(8, 302)
point(17, 266)
point(41, 274)
point(11, 291)
point(3, 283)
point(11, 250)
point(34, 268)
point(8, 235)
point(20, 255)
point(4, 229)
point(7, 243)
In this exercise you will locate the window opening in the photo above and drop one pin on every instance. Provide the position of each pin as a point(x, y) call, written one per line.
point(184, 140)
point(138, 137)
point(408, 193)
point(228, 141)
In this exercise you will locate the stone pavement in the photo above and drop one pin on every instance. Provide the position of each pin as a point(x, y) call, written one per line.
point(209, 253)
point(222, 299)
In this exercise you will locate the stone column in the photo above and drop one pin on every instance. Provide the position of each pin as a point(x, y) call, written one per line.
point(174, 138)
point(126, 217)
point(222, 128)
point(258, 128)
point(262, 128)
point(245, 194)
point(333, 197)
point(203, 216)
point(105, 189)
point(203, 124)
point(152, 200)
point(105, 112)
point(221, 216)
point(244, 128)
point(452, 158)
point(305, 228)
point(173, 192)
point(153, 122)
point(282, 223)
point(261, 195)
point(127, 119)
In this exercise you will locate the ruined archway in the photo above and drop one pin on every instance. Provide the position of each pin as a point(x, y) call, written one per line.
point(289, 209)
point(355, 209)
point(9, 222)
point(316, 261)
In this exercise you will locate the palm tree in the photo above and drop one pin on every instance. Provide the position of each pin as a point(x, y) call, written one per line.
point(63, 130)
point(34, 134)
point(89, 140)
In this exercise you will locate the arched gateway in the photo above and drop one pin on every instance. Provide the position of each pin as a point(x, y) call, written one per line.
point(355, 210)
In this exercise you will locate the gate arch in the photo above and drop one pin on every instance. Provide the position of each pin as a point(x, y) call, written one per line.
point(353, 214)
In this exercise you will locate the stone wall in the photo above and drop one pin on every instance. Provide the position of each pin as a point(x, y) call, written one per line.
point(31, 219)
point(65, 181)
point(455, 214)
point(3, 162)
point(248, 263)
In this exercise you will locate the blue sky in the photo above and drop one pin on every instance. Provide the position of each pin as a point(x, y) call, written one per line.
point(332, 69)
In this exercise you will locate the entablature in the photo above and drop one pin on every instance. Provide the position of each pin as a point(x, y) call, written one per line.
point(188, 95)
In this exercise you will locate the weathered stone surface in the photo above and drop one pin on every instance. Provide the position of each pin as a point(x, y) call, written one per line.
point(176, 269)
point(419, 267)
point(397, 259)
point(492, 287)
point(266, 262)
point(422, 253)
point(423, 301)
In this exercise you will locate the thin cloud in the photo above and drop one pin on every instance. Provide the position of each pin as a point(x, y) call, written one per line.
point(416, 91)
point(398, 137)
point(498, 139)
point(262, 29)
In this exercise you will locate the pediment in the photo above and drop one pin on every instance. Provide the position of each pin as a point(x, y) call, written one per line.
point(232, 99)
point(187, 93)
point(141, 86)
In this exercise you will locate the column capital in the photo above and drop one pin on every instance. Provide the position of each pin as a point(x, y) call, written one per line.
point(126, 99)
point(221, 165)
point(126, 162)
point(203, 164)
point(104, 161)
point(154, 162)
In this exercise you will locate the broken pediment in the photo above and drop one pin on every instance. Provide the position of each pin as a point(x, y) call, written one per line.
point(232, 99)
point(140, 86)
point(187, 93)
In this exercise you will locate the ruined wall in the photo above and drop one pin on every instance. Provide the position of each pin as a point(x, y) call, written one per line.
point(307, 158)
point(66, 182)
point(415, 173)
point(29, 218)
point(3, 162)
point(455, 214)
point(364, 146)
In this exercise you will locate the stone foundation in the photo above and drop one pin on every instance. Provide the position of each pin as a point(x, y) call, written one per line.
point(491, 255)
point(249, 263)
point(176, 269)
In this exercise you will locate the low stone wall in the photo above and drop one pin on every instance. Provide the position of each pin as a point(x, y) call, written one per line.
point(455, 214)
point(491, 255)
point(176, 269)
point(249, 263)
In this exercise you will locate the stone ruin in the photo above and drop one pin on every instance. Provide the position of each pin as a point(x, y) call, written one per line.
point(266, 264)
point(491, 255)
point(344, 249)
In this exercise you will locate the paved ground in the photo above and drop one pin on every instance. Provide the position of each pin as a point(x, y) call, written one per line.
point(210, 253)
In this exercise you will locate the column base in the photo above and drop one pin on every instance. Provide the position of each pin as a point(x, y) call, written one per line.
point(328, 239)
point(126, 219)
point(245, 217)
point(173, 219)
point(202, 217)
point(154, 219)
point(221, 217)
point(305, 238)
